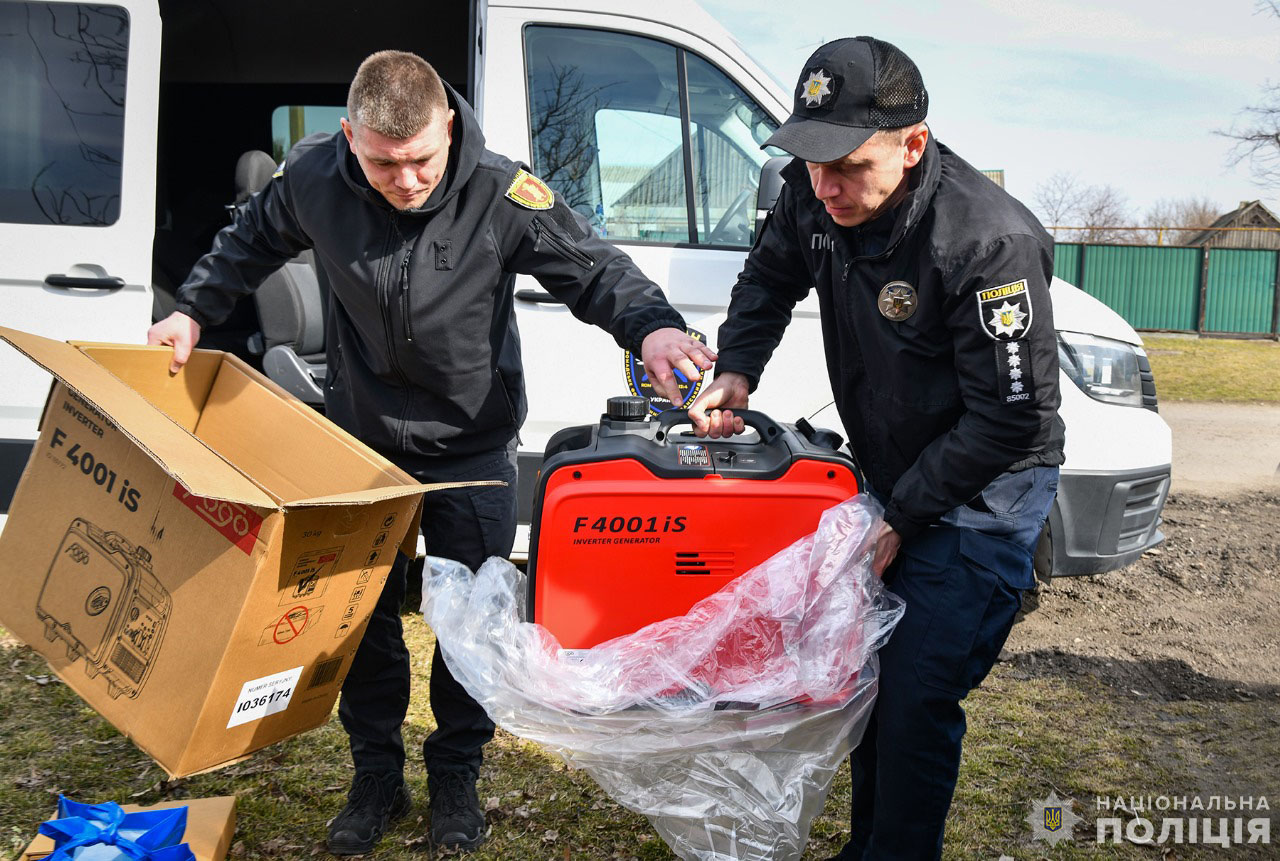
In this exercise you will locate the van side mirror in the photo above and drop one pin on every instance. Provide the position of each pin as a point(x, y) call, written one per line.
point(770, 188)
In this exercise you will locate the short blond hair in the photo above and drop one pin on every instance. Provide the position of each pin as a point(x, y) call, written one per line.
point(395, 93)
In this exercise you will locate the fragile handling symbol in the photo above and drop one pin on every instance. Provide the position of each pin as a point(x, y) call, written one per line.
point(291, 624)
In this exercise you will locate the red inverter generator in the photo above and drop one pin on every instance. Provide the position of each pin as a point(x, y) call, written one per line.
point(633, 523)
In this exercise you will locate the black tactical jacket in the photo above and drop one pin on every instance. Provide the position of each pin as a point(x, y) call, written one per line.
point(939, 403)
point(423, 352)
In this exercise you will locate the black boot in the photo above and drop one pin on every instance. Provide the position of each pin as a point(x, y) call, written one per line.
point(457, 822)
point(375, 801)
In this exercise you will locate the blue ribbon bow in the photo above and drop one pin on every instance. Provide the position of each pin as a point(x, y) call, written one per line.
point(104, 832)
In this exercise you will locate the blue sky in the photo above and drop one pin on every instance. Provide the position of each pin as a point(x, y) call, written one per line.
point(1126, 94)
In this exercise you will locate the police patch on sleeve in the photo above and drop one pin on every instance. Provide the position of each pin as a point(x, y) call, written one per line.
point(530, 192)
point(1005, 311)
point(1013, 370)
point(279, 171)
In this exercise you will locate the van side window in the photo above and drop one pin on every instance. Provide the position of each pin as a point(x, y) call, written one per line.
point(292, 123)
point(62, 85)
point(649, 142)
point(726, 131)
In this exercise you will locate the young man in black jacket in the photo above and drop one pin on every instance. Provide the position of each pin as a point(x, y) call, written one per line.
point(933, 286)
point(421, 231)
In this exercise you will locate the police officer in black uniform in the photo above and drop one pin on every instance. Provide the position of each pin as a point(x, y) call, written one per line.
point(933, 286)
point(421, 231)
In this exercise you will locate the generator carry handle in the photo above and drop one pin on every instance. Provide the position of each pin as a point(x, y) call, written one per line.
point(769, 430)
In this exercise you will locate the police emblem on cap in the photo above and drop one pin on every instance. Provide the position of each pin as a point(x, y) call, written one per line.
point(897, 301)
point(816, 89)
point(530, 192)
point(1005, 311)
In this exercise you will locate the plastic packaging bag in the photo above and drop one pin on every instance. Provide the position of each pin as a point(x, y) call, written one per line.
point(723, 726)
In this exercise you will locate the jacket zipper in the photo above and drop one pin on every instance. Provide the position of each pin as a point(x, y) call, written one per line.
point(385, 288)
point(566, 250)
point(404, 294)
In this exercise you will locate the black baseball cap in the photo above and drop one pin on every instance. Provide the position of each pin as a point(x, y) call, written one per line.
point(849, 90)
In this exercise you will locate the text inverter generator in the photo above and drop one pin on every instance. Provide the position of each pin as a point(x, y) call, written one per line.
point(633, 524)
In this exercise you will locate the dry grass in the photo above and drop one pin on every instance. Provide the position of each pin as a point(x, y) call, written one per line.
point(1215, 369)
point(1027, 736)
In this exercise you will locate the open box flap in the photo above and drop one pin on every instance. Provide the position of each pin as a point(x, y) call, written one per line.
point(200, 470)
point(378, 494)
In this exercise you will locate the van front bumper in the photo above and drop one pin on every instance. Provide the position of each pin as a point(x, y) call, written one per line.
point(1102, 521)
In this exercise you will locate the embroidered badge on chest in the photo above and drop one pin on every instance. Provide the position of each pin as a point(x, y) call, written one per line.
point(530, 192)
point(1005, 311)
point(897, 301)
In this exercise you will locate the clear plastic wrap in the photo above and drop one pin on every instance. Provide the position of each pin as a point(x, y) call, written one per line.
point(723, 726)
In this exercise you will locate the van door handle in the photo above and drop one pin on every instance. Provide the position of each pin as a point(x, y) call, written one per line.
point(540, 297)
point(73, 282)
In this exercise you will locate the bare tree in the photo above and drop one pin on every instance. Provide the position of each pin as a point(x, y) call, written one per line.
point(1058, 199)
point(1173, 221)
point(1102, 210)
point(1256, 130)
point(564, 133)
point(1090, 212)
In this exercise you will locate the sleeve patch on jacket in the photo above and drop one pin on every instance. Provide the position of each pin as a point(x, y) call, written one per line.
point(1005, 312)
point(1013, 370)
point(530, 192)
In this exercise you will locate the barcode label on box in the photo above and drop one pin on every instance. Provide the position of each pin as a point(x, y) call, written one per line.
point(265, 696)
point(325, 672)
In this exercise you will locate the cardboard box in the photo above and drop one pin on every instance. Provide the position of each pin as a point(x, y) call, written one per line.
point(196, 555)
point(211, 822)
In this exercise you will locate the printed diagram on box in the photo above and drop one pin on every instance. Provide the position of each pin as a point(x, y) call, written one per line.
point(310, 576)
point(290, 626)
point(101, 598)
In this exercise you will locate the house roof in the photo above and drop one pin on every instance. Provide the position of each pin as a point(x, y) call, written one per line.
point(1250, 213)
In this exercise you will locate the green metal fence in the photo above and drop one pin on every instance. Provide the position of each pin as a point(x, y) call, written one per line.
point(1182, 289)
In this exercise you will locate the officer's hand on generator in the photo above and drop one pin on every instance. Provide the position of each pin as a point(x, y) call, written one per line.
point(729, 391)
point(665, 351)
point(178, 331)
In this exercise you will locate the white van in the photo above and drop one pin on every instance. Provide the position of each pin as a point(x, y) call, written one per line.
point(125, 122)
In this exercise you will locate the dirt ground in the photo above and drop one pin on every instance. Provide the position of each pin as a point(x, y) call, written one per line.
point(1203, 608)
point(1195, 620)
point(1200, 614)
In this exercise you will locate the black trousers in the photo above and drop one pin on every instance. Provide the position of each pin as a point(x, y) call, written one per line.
point(469, 525)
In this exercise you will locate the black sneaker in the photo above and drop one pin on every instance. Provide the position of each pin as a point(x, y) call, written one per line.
point(456, 819)
point(375, 800)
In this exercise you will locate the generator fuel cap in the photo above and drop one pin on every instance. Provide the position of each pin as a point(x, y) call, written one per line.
point(627, 408)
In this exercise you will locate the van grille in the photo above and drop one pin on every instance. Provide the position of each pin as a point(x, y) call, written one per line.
point(1141, 512)
point(1148, 383)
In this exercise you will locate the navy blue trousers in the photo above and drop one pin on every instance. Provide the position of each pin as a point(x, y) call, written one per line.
point(469, 525)
point(962, 582)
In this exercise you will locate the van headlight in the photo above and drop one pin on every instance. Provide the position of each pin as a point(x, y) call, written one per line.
point(1104, 369)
